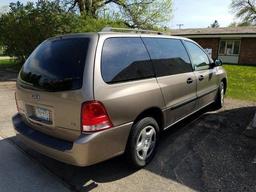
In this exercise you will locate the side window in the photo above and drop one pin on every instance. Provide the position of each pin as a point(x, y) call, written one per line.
point(199, 59)
point(125, 59)
point(169, 56)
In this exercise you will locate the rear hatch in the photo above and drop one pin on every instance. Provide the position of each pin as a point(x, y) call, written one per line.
point(49, 87)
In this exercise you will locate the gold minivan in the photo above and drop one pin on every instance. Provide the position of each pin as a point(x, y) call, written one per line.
point(85, 98)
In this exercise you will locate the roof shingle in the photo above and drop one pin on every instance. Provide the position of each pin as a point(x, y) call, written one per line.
point(215, 31)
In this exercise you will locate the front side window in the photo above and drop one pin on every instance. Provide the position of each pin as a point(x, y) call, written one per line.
point(169, 56)
point(125, 59)
point(229, 47)
point(199, 58)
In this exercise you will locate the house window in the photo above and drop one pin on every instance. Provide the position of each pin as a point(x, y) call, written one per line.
point(229, 47)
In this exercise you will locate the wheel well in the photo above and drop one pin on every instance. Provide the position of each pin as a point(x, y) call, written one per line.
point(155, 113)
point(224, 80)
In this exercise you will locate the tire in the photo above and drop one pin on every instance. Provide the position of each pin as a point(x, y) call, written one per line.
point(142, 143)
point(219, 101)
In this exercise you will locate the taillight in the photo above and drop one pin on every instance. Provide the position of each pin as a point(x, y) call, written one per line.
point(94, 117)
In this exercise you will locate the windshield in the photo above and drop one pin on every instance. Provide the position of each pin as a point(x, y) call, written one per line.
point(56, 65)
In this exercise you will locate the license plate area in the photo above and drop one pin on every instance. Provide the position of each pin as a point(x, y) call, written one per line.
point(40, 114)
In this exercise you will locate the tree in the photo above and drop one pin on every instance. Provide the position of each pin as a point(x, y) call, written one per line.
point(235, 24)
point(90, 24)
point(23, 27)
point(135, 13)
point(245, 10)
point(146, 14)
point(3, 10)
point(215, 24)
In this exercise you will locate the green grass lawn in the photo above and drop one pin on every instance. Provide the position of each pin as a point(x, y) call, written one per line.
point(241, 82)
point(10, 64)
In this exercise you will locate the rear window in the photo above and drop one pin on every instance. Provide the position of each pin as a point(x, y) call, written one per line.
point(56, 65)
point(125, 59)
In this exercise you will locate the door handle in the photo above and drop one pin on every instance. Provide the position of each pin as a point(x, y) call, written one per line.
point(201, 77)
point(189, 80)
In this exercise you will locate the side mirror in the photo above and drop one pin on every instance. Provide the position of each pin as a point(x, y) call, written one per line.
point(218, 62)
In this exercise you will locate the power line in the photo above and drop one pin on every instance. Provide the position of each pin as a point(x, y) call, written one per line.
point(180, 25)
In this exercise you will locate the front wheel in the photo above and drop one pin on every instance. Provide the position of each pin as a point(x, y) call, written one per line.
point(219, 102)
point(142, 143)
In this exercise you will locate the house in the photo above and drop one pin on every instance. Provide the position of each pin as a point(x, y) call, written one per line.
point(235, 45)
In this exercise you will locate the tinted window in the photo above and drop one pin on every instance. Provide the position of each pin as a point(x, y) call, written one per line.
point(199, 58)
point(56, 65)
point(125, 59)
point(168, 55)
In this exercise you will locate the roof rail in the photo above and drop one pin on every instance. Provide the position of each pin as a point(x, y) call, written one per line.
point(111, 29)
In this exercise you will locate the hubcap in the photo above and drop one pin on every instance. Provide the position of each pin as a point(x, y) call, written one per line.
point(146, 142)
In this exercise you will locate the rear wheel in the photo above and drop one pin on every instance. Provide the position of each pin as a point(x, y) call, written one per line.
point(142, 143)
point(219, 102)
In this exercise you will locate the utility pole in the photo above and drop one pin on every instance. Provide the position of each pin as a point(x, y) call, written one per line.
point(180, 25)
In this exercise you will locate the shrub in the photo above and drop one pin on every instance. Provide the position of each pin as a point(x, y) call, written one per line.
point(24, 27)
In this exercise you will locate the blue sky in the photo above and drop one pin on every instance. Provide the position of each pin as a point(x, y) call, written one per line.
point(6, 2)
point(192, 13)
point(201, 13)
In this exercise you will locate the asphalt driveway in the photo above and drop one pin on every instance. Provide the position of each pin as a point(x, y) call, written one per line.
point(207, 152)
point(19, 172)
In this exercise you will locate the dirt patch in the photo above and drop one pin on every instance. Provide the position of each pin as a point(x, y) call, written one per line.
point(7, 85)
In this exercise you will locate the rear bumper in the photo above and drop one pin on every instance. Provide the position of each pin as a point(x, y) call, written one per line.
point(86, 150)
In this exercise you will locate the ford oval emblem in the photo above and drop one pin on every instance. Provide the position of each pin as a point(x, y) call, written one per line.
point(36, 97)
